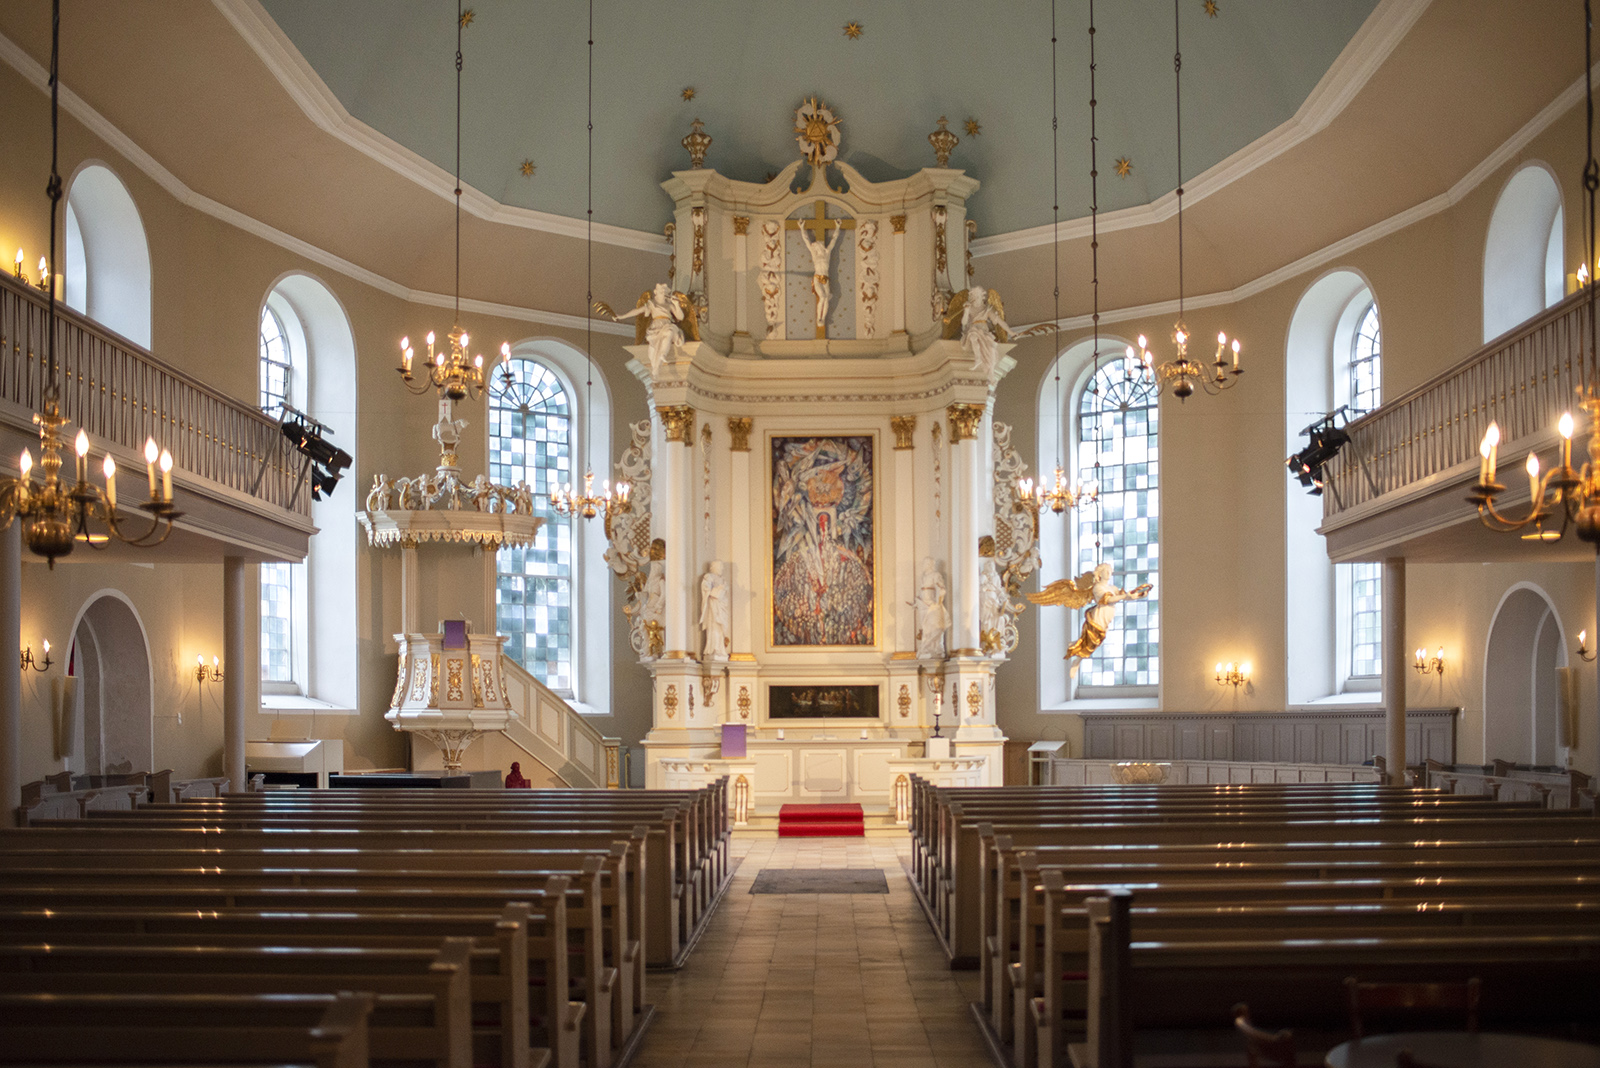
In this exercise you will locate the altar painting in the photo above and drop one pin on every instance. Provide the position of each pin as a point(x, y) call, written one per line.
point(823, 562)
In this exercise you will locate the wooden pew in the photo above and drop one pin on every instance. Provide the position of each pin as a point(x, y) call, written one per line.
point(327, 1030)
point(421, 1010)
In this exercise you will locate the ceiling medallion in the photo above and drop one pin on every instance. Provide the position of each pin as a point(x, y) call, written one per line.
point(973, 129)
point(688, 92)
point(1124, 166)
point(816, 131)
point(853, 30)
point(527, 167)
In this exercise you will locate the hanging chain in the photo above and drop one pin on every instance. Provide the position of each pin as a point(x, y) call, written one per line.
point(1055, 228)
point(1177, 82)
point(460, 26)
point(1094, 263)
point(588, 270)
point(1591, 182)
point(52, 389)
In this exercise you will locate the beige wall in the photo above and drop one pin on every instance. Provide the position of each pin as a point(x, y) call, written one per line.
point(1222, 474)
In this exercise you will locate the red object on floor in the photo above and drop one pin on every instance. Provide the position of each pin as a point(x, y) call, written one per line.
point(821, 821)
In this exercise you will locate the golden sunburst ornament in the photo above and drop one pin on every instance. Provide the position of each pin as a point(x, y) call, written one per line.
point(466, 17)
point(816, 130)
point(1124, 166)
point(1211, 8)
point(853, 30)
point(527, 167)
point(972, 127)
point(688, 92)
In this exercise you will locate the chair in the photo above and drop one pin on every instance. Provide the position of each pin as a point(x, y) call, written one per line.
point(1260, 1046)
point(1405, 997)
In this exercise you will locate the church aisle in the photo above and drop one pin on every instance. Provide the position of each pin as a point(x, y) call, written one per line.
point(801, 980)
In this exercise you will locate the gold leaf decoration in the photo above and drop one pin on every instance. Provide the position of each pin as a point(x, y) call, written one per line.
point(688, 92)
point(853, 30)
point(466, 17)
point(1212, 9)
point(528, 168)
point(1124, 166)
point(973, 128)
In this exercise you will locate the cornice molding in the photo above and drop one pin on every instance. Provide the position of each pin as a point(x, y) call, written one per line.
point(13, 56)
point(313, 97)
point(1357, 62)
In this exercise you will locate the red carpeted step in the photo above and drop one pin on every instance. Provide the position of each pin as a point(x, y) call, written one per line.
point(821, 821)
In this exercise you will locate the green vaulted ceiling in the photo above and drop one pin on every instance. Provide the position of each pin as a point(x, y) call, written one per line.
point(751, 62)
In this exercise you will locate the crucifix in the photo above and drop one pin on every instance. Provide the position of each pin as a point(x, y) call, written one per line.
point(820, 225)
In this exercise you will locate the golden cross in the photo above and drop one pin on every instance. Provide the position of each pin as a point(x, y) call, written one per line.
point(819, 224)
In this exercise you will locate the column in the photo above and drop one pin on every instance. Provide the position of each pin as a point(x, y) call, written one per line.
point(677, 493)
point(410, 591)
point(966, 489)
point(742, 569)
point(741, 279)
point(241, 644)
point(907, 566)
point(897, 289)
point(1395, 666)
point(10, 673)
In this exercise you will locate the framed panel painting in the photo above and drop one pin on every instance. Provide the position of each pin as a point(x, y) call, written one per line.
point(824, 553)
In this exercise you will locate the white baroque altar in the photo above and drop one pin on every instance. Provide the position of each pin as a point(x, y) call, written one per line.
point(820, 454)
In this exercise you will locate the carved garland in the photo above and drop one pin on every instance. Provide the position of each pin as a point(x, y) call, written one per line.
point(1016, 533)
point(868, 244)
point(629, 532)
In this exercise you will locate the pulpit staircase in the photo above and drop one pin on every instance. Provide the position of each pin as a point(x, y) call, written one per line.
point(552, 732)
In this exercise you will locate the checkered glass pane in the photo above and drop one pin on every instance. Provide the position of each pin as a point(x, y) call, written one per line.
point(277, 622)
point(530, 432)
point(1366, 618)
point(1366, 365)
point(1117, 447)
point(275, 366)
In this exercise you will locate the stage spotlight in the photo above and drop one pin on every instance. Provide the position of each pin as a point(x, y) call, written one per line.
point(327, 459)
point(1325, 439)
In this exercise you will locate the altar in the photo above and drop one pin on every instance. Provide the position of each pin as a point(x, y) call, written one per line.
point(825, 541)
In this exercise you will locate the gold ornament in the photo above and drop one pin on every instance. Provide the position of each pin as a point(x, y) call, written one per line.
point(1124, 166)
point(696, 143)
point(964, 420)
point(853, 30)
point(688, 92)
point(944, 142)
point(972, 127)
point(739, 433)
point(816, 131)
point(527, 168)
point(904, 427)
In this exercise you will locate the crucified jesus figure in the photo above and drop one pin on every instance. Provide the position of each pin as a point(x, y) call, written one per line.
point(820, 255)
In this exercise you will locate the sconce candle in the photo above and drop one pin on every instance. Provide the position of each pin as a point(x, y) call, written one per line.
point(1583, 647)
point(1425, 665)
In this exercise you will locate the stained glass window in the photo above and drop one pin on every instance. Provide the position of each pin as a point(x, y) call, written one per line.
point(1117, 447)
point(1365, 581)
point(530, 440)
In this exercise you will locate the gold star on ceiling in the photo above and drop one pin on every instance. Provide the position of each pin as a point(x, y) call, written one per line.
point(688, 92)
point(973, 129)
point(852, 30)
point(527, 168)
point(1211, 8)
point(1124, 166)
point(466, 18)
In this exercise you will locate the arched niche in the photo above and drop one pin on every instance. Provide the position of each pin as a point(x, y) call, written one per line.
point(113, 708)
point(1521, 702)
point(107, 275)
point(324, 354)
point(1522, 253)
point(1319, 339)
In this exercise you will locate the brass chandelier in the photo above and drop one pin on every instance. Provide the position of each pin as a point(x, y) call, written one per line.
point(1183, 372)
point(1562, 496)
point(54, 513)
point(566, 500)
point(453, 373)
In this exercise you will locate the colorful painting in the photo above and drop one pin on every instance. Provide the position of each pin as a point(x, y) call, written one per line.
point(823, 565)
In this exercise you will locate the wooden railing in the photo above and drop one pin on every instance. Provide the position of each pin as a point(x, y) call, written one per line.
point(122, 395)
point(1523, 381)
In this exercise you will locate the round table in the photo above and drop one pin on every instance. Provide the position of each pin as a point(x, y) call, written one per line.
point(1458, 1049)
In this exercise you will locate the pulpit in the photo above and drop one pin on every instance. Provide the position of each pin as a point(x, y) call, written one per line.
point(450, 688)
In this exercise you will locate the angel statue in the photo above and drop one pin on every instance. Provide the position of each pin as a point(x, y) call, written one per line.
point(670, 317)
point(982, 328)
point(1095, 590)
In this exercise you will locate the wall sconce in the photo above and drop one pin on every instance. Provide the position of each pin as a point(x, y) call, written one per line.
point(1583, 648)
point(205, 674)
point(28, 661)
point(1430, 665)
point(1235, 675)
point(17, 266)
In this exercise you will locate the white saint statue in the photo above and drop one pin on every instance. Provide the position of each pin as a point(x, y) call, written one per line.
point(820, 256)
point(1095, 591)
point(931, 614)
point(714, 612)
point(655, 598)
point(983, 327)
point(991, 604)
point(664, 334)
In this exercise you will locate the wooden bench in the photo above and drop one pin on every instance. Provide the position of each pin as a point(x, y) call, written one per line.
point(326, 1030)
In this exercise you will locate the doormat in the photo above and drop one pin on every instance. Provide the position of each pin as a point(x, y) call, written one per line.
point(820, 881)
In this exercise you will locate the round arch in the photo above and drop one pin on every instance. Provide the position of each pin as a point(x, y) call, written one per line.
point(113, 713)
point(1523, 251)
point(107, 261)
point(1521, 695)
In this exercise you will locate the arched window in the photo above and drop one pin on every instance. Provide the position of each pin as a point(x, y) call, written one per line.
point(1523, 257)
point(1362, 588)
point(1117, 448)
point(107, 259)
point(530, 440)
point(306, 358)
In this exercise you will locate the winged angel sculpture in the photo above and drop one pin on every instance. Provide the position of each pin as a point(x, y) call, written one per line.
point(1094, 590)
point(977, 318)
point(663, 319)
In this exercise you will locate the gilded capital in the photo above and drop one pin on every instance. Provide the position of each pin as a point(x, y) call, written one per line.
point(904, 426)
point(964, 420)
point(678, 420)
point(739, 432)
point(898, 223)
point(741, 224)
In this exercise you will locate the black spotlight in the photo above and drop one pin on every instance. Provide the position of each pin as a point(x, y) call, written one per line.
point(1325, 439)
point(326, 459)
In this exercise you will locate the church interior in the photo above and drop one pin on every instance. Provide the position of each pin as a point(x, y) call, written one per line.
point(721, 536)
